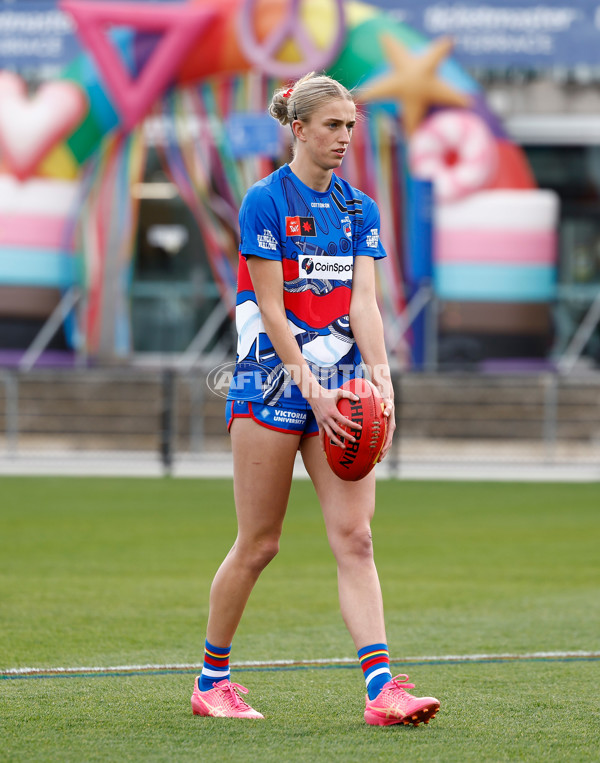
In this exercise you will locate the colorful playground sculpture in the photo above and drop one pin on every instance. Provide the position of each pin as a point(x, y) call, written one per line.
point(67, 217)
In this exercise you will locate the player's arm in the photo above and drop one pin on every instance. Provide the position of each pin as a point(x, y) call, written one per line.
point(267, 279)
point(367, 327)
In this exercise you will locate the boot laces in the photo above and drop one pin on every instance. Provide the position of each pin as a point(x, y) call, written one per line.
point(231, 692)
point(400, 684)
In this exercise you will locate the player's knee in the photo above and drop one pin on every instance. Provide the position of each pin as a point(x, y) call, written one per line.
point(259, 553)
point(267, 551)
point(355, 545)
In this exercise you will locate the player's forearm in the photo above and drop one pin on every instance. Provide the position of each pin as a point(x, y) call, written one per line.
point(367, 327)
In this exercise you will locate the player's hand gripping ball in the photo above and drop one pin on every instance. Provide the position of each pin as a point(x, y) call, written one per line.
point(357, 459)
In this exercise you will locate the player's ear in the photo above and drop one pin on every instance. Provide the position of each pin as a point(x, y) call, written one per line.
point(298, 130)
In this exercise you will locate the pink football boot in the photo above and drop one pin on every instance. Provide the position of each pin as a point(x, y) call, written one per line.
point(222, 701)
point(394, 704)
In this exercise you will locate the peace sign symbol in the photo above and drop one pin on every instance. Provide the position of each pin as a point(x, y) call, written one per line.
point(263, 54)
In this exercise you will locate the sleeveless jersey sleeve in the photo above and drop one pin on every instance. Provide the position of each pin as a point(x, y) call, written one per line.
point(368, 242)
point(259, 225)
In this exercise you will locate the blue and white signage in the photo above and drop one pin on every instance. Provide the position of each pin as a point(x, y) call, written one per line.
point(501, 33)
point(36, 34)
point(489, 33)
point(253, 133)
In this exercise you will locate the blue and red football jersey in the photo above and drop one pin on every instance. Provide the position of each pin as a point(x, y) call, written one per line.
point(316, 237)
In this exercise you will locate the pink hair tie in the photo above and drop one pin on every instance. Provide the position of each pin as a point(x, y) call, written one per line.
point(288, 93)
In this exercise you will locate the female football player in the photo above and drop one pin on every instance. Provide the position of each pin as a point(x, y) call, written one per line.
point(306, 314)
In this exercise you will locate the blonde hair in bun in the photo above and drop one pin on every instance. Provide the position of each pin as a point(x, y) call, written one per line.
point(304, 97)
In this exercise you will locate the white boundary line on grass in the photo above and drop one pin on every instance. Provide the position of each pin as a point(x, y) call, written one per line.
point(289, 663)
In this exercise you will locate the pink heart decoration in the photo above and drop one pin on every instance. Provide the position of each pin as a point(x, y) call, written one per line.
point(31, 126)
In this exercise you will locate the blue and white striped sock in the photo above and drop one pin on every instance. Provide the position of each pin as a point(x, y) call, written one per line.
point(216, 666)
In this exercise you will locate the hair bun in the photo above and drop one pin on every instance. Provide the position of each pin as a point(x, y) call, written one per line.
point(301, 99)
point(279, 107)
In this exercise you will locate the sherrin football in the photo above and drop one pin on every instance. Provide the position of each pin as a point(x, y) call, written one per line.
point(357, 459)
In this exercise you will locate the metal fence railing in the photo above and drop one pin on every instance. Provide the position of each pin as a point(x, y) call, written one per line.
point(172, 413)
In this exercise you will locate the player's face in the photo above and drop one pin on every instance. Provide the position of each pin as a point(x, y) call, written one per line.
point(328, 133)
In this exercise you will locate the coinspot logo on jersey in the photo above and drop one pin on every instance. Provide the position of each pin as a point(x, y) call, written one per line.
point(325, 266)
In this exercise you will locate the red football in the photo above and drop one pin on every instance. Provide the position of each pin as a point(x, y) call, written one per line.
point(357, 459)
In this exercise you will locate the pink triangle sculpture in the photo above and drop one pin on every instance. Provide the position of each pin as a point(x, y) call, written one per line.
point(182, 26)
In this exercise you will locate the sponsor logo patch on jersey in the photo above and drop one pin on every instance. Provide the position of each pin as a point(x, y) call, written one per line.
point(267, 240)
point(346, 226)
point(322, 266)
point(300, 226)
point(373, 238)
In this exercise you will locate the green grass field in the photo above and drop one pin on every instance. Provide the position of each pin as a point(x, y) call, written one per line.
point(105, 572)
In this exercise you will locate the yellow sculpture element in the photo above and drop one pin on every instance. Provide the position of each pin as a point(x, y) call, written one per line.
point(413, 81)
point(59, 163)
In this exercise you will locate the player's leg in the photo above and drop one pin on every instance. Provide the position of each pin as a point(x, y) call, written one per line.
point(263, 463)
point(348, 509)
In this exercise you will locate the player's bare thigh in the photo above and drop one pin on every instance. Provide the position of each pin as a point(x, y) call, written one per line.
point(347, 506)
point(263, 464)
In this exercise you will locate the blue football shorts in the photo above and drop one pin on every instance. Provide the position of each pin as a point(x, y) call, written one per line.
point(276, 417)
